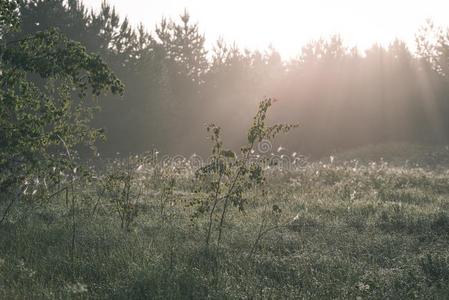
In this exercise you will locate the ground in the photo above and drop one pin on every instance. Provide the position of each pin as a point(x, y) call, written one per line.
point(340, 230)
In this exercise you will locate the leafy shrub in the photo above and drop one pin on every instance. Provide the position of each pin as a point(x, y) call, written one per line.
point(229, 177)
point(41, 124)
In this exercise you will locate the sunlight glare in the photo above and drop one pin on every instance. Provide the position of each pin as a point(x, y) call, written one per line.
point(287, 25)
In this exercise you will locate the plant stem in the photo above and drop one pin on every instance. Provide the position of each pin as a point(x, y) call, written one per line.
point(5, 214)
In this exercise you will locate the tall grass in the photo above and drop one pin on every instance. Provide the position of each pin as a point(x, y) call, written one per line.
point(365, 232)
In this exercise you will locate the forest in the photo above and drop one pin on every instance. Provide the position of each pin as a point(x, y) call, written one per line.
point(139, 163)
point(345, 96)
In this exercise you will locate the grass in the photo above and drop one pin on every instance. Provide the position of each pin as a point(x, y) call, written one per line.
point(349, 231)
point(400, 154)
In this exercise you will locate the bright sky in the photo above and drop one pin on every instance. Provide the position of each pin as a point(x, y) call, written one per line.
point(289, 24)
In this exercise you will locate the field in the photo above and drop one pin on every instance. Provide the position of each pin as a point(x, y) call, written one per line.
point(324, 230)
point(320, 174)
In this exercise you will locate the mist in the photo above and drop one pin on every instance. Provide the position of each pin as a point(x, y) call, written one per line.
point(164, 162)
point(342, 97)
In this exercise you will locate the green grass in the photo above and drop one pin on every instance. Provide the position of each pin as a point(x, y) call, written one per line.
point(351, 232)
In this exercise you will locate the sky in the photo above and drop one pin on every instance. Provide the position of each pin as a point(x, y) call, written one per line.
point(287, 25)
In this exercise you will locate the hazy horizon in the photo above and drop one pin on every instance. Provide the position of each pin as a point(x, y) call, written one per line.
point(288, 25)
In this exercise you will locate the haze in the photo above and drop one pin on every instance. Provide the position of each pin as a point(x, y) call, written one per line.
point(208, 149)
point(287, 25)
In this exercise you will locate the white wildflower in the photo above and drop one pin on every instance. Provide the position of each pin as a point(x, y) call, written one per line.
point(353, 194)
point(363, 287)
point(77, 288)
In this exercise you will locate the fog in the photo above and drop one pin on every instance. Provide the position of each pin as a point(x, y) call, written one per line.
point(177, 80)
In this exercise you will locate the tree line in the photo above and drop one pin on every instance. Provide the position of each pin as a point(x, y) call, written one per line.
point(342, 97)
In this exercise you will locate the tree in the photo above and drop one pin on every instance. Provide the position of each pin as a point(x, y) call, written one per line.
point(41, 124)
point(184, 47)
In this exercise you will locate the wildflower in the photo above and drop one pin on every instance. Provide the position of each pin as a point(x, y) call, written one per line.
point(281, 149)
point(353, 194)
point(362, 286)
point(294, 154)
point(77, 288)
point(331, 158)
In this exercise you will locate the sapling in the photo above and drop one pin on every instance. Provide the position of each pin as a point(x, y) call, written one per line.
point(229, 177)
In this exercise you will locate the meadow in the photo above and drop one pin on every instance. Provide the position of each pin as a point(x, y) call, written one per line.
point(323, 230)
point(83, 217)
